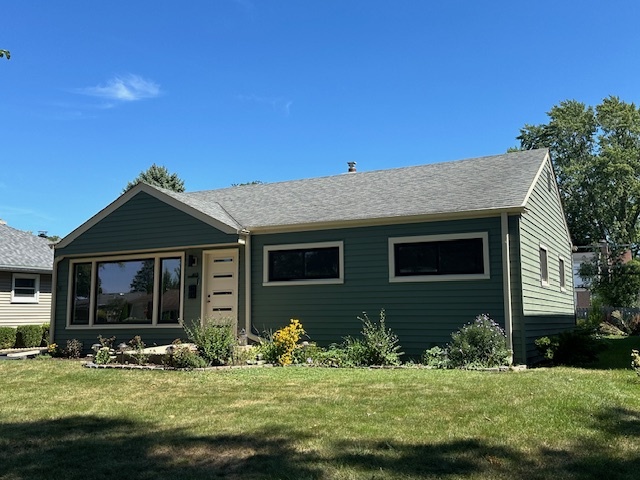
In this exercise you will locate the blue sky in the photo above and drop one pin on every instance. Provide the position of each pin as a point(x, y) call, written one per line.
point(230, 91)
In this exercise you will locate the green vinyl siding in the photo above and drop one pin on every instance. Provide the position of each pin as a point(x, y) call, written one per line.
point(421, 313)
point(145, 223)
point(545, 309)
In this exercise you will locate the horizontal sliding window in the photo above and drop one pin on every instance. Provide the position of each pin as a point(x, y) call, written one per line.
point(439, 257)
point(303, 263)
point(126, 291)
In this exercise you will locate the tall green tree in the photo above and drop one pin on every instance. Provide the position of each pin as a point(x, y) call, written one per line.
point(158, 176)
point(596, 157)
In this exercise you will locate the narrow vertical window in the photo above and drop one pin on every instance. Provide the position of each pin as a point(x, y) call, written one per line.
point(81, 293)
point(170, 270)
point(561, 273)
point(544, 266)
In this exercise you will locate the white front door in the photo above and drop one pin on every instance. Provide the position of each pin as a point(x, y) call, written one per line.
point(220, 287)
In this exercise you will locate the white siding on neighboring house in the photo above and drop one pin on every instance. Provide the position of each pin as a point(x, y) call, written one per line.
point(13, 314)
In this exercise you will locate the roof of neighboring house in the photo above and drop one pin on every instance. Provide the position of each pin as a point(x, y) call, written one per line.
point(23, 252)
point(478, 185)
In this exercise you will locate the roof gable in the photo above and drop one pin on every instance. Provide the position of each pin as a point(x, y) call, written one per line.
point(22, 251)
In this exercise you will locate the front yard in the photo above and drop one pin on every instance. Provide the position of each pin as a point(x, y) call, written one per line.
point(59, 420)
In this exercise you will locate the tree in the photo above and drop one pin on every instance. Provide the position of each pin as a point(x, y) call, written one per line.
point(596, 157)
point(615, 283)
point(158, 176)
point(5, 53)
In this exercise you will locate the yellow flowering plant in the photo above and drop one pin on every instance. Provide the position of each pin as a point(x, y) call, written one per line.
point(285, 341)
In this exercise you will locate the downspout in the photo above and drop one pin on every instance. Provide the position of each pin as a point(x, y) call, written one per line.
point(247, 289)
point(506, 282)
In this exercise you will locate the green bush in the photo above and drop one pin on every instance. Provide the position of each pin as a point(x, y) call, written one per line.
point(378, 345)
point(7, 337)
point(479, 344)
point(29, 336)
point(572, 347)
point(103, 356)
point(215, 341)
point(183, 357)
point(436, 357)
point(635, 361)
point(73, 349)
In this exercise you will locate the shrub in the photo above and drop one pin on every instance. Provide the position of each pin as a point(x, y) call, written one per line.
point(378, 345)
point(215, 341)
point(572, 347)
point(73, 349)
point(436, 357)
point(479, 344)
point(279, 347)
point(138, 350)
point(184, 357)
point(103, 356)
point(7, 337)
point(29, 336)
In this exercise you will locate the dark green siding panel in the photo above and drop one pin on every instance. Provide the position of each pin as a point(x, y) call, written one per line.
point(421, 313)
point(540, 326)
point(145, 223)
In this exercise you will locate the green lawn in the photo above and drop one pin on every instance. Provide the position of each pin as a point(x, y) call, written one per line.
point(59, 420)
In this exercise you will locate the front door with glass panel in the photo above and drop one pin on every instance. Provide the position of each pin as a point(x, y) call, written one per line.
point(220, 299)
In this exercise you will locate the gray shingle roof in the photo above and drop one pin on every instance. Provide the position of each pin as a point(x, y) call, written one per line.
point(22, 251)
point(478, 184)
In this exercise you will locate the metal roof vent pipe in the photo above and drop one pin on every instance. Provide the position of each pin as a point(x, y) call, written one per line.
point(352, 166)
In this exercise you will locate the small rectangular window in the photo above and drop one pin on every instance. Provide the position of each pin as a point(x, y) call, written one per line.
point(544, 266)
point(25, 288)
point(81, 293)
point(439, 257)
point(170, 269)
point(561, 272)
point(304, 263)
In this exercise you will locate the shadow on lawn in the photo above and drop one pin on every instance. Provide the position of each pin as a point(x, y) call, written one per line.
point(100, 448)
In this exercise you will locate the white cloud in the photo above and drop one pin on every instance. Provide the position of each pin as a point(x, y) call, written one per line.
point(278, 104)
point(127, 88)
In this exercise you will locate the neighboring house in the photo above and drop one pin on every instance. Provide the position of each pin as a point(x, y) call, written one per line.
point(434, 245)
point(26, 264)
point(582, 292)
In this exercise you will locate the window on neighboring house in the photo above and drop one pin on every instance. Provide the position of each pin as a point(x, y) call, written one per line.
point(313, 263)
point(25, 288)
point(544, 266)
point(127, 291)
point(561, 273)
point(439, 257)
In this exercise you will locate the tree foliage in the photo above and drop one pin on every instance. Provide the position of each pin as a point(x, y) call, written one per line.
point(158, 176)
point(596, 157)
point(614, 283)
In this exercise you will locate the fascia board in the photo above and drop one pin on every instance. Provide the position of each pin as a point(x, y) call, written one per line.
point(469, 214)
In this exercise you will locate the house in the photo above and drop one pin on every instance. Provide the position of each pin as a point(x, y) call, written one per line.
point(434, 245)
point(26, 266)
point(581, 287)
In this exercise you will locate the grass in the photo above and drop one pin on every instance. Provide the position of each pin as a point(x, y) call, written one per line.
point(59, 420)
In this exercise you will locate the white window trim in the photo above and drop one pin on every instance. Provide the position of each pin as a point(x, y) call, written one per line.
point(295, 246)
point(562, 261)
point(544, 282)
point(36, 295)
point(437, 238)
point(92, 299)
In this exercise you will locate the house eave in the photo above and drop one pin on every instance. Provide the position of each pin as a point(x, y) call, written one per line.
point(367, 222)
point(25, 269)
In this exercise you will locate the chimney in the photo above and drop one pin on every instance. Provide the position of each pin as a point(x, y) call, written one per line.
point(352, 166)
